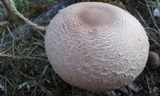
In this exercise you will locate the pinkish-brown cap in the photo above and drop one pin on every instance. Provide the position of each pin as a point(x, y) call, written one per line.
point(96, 46)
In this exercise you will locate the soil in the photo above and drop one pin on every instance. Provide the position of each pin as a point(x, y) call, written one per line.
point(148, 82)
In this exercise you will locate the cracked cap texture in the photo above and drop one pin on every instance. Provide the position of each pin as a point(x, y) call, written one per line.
point(96, 46)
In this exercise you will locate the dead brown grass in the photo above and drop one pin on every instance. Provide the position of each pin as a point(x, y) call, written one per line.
point(25, 70)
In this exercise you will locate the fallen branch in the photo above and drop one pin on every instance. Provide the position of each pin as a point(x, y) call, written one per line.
point(13, 16)
point(40, 20)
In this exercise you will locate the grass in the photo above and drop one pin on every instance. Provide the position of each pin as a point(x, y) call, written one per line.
point(24, 67)
point(25, 70)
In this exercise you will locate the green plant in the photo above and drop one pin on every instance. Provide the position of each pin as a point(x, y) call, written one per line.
point(20, 5)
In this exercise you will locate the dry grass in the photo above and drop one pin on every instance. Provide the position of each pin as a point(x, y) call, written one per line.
point(24, 67)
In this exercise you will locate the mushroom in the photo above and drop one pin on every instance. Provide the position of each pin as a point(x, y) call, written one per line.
point(96, 46)
point(153, 60)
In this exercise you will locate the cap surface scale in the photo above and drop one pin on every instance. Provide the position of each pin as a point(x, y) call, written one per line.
point(96, 46)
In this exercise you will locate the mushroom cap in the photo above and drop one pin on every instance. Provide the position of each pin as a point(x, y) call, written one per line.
point(153, 60)
point(96, 46)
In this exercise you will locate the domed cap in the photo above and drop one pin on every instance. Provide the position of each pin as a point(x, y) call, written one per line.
point(96, 46)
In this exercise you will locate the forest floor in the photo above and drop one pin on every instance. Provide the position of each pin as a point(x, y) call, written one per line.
point(26, 71)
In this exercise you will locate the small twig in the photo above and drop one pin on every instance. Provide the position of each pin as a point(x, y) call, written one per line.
point(13, 10)
point(147, 27)
point(22, 30)
point(148, 85)
point(13, 16)
point(154, 21)
point(158, 4)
